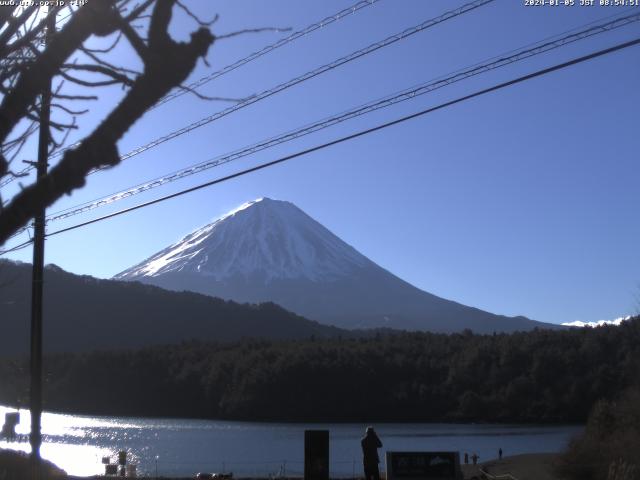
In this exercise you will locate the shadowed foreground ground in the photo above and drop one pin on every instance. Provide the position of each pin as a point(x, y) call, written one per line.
point(534, 466)
point(16, 465)
point(537, 466)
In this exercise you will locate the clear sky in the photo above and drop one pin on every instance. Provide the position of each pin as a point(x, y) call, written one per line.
point(521, 202)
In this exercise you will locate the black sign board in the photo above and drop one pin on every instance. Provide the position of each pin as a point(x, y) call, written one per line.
point(316, 455)
point(423, 466)
point(11, 419)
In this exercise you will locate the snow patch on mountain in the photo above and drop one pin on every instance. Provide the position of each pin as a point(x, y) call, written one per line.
point(267, 238)
point(599, 323)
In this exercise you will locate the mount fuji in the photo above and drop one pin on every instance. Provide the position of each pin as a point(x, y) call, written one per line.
point(270, 250)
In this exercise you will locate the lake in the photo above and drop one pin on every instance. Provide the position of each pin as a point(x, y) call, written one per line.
point(183, 447)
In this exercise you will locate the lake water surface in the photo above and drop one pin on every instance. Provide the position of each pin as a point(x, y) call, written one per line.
point(183, 447)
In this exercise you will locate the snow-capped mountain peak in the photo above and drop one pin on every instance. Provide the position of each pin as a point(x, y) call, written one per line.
point(271, 251)
point(267, 238)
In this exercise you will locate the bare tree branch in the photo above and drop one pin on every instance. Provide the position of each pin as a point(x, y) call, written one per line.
point(55, 145)
point(201, 96)
point(68, 110)
point(87, 83)
point(116, 76)
point(6, 13)
point(106, 64)
point(74, 97)
point(106, 49)
point(14, 24)
point(158, 29)
point(136, 12)
point(202, 23)
point(31, 33)
point(252, 30)
point(134, 39)
point(167, 65)
point(86, 21)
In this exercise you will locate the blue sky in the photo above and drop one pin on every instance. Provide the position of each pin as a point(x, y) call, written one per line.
point(521, 202)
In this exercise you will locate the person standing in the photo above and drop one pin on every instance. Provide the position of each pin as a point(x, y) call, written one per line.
point(500, 453)
point(370, 444)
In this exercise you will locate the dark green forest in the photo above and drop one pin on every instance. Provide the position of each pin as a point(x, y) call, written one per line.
point(541, 377)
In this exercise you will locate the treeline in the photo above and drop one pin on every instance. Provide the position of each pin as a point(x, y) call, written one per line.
point(539, 376)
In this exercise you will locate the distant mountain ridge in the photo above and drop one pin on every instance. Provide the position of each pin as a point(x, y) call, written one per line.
point(83, 313)
point(270, 250)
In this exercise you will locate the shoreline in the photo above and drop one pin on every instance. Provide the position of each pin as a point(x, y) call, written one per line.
point(369, 421)
point(527, 466)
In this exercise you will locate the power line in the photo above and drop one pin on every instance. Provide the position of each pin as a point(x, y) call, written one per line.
point(17, 247)
point(346, 138)
point(270, 48)
point(307, 76)
point(361, 133)
point(233, 66)
point(542, 46)
point(408, 94)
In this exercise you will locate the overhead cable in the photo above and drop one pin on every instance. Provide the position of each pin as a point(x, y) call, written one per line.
point(233, 66)
point(353, 136)
point(283, 86)
point(269, 48)
point(308, 75)
point(407, 94)
point(361, 133)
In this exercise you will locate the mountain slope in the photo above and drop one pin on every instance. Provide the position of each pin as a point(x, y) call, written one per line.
point(83, 313)
point(270, 250)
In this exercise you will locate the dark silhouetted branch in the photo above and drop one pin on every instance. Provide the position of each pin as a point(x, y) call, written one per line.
point(86, 21)
point(252, 30)
point(117, 77)
point(202, 23)
point(166, 66)
point(87, 83)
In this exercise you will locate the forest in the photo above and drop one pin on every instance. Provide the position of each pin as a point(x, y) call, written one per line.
point(541, 376)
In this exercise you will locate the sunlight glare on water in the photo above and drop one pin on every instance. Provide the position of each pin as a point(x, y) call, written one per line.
point(182, 447)
point(68, 441)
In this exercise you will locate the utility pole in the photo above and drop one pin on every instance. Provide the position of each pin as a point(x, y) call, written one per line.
point(35, 395)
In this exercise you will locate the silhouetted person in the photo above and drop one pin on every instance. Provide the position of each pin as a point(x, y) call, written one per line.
point(466, 458)
point(370, 445)
point(500, 454)
point(475, 458)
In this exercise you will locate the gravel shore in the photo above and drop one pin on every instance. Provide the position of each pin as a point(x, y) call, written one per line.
point(534, 466)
